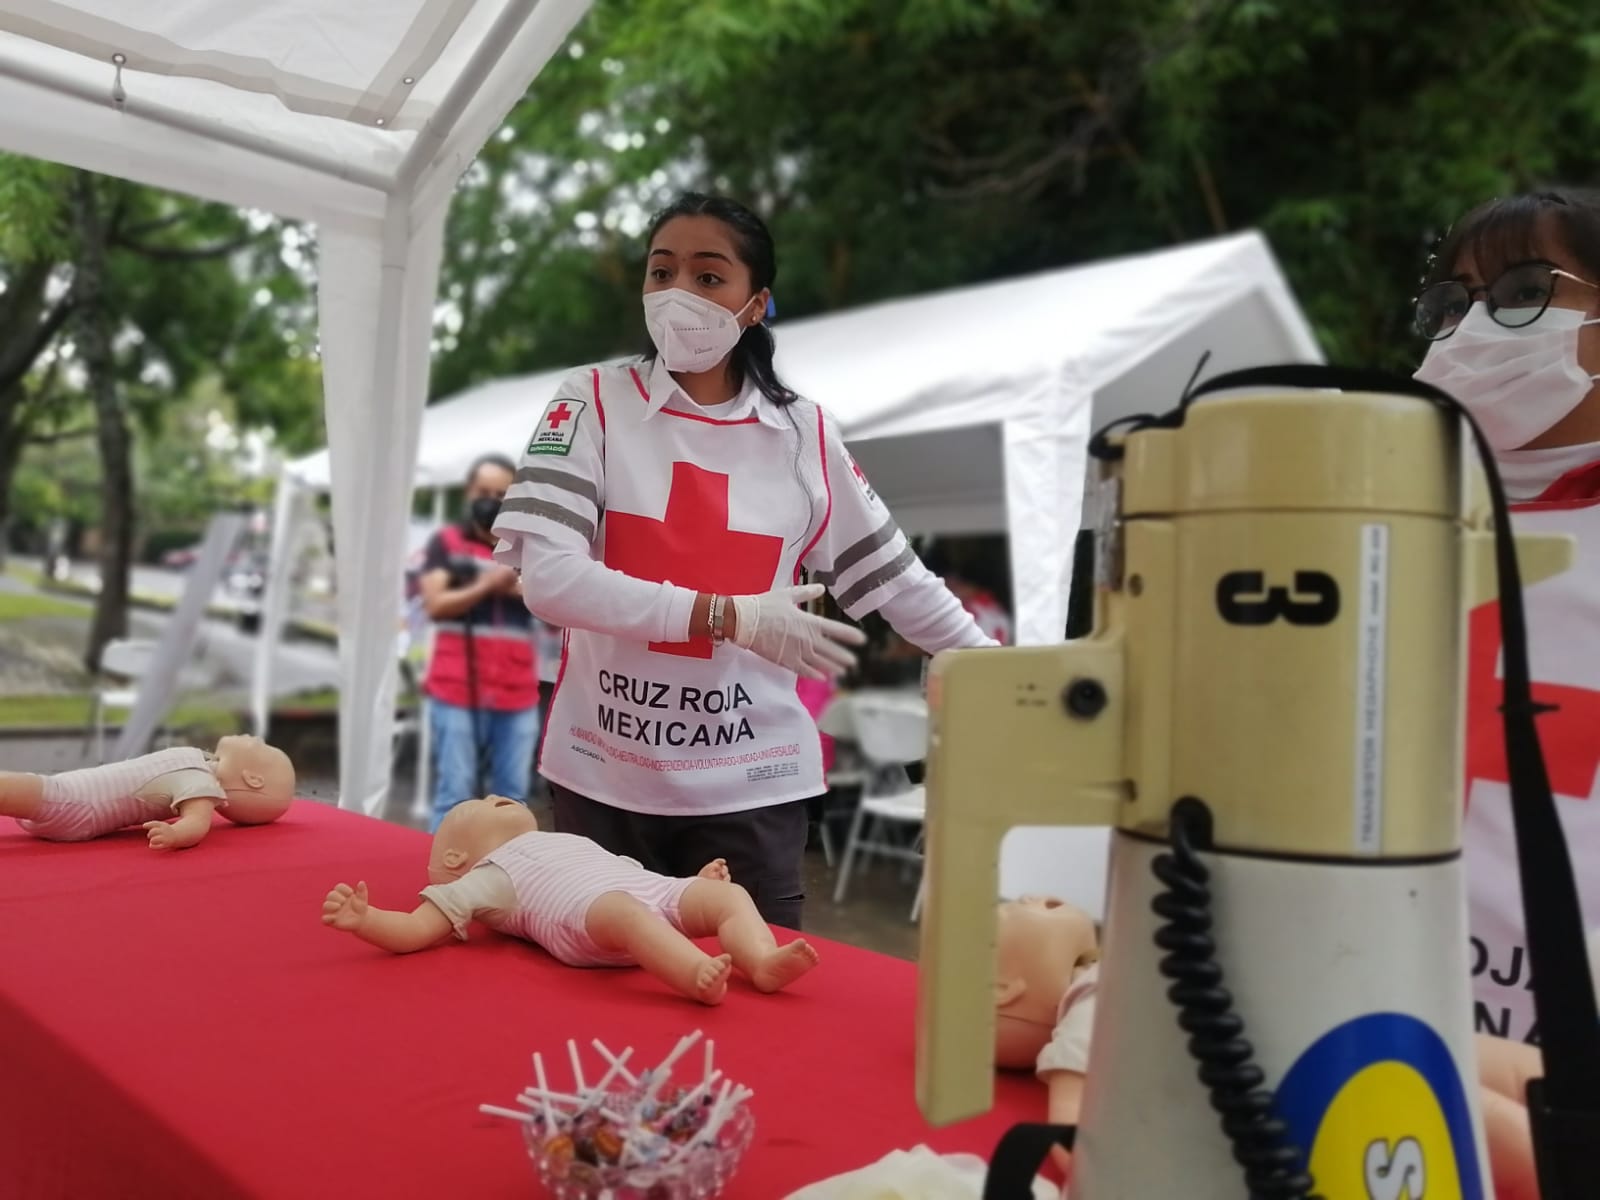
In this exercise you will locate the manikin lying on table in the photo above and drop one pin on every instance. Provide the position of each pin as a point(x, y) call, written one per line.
point(246, 780)
point(586, 906)
point(1045, 983)
point(1047, 966)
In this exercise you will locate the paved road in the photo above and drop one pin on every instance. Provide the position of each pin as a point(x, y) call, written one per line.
point(298, 666)
point(158, 583)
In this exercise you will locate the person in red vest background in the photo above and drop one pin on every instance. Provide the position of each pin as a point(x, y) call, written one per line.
point(663, 512)
point(1512, 311)
point(964, 583)
point(483, 679)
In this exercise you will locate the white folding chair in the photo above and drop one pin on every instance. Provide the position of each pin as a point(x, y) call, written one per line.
point(123, 663)
point(124, 659)
point(848, 770)
point(891, 732)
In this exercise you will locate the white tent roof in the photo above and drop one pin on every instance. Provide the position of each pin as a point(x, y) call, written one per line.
point(313, 110)
point(360, 115)
point(970, 409)
point(960, 358)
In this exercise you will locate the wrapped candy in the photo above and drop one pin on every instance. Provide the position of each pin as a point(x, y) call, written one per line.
point(634, 1137)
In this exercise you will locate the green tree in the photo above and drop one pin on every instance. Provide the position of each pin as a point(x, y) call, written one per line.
point(35, 303)
point(916, 144)
point(168, 291)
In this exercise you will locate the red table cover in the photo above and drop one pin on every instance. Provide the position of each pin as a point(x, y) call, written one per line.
point(182, 1025)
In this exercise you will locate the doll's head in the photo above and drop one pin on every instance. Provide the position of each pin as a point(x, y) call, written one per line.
point(472, 830)
point(1041, 943)
point(258, 778)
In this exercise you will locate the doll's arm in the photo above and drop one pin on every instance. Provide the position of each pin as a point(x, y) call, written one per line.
point(1066, 1100)
point(346, 908)
point(1066, 1096)
point(21, 796)
point(191, 827)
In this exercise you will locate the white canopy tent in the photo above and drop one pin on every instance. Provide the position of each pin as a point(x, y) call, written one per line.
point(970, 409)
point(360, 117)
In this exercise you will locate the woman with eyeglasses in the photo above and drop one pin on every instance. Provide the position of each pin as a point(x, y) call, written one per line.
point(1512, 312)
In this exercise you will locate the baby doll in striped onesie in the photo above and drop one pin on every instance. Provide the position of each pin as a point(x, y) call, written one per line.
point(586, 906)
point(246, 780)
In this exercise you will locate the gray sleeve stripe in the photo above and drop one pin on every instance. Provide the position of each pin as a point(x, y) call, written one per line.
point(896, 567)
point(576, 484)
point(550, 512)
point(876, 540)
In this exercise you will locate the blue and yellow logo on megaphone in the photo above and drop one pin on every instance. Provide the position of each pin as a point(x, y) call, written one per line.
point(1379, 1108)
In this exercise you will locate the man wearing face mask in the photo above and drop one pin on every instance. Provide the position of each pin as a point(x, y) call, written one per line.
point(483, 678)
point(1512, 311)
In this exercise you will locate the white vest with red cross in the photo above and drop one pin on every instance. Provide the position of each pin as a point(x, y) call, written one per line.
point(1563, 616)
point(731, 500)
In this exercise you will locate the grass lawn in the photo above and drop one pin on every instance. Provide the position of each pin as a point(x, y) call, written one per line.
point(71, 711)
point(21, 606)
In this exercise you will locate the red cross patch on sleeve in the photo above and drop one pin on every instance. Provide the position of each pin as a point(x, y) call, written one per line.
point(557, 428)
point(861, 477)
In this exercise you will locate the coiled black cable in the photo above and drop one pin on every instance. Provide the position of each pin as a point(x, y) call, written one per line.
point(1260, 1139)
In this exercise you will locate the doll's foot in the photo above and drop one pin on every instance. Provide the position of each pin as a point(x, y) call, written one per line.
point(710, 982)
point(716, 869)
point(783, 966)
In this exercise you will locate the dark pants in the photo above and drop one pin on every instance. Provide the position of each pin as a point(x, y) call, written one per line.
point(763, 846)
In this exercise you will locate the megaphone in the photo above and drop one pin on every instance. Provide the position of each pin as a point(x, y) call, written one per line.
point(1268, 712)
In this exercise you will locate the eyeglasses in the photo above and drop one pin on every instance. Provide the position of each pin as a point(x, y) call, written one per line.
point(1517, 298)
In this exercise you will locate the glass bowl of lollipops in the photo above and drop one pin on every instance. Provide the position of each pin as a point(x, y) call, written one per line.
point(629, 1136)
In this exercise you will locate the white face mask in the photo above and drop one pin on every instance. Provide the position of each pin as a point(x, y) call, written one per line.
point(692, 334)
point(1517, 383)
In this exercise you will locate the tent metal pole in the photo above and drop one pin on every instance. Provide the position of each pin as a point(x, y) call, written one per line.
point(431, 137)
point(215, 131)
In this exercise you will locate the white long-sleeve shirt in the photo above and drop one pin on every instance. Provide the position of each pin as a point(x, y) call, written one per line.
point(630, 500)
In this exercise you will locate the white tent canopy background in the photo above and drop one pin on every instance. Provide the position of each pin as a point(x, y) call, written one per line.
point(359, 116)
point(970, 409)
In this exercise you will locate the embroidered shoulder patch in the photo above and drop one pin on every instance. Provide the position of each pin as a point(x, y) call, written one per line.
point(557, 428)
point(861, 477)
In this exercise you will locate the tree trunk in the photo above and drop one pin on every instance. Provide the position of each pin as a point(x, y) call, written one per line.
point(111, 422)
point(10, 454)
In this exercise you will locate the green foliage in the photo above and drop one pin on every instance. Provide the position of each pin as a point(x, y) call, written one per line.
point(896, 146)
point(32, 214)
point(899, 146)
point(26, 606)
point(188, 463)
point(212, 313)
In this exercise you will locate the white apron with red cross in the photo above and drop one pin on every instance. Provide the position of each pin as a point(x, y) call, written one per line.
point(723, 506)
point(1564, 646)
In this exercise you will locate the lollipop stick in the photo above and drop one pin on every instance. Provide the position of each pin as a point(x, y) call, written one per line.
point(544, 1088)
point(577, 1067)
point(616, 1061)
point(495, 1110)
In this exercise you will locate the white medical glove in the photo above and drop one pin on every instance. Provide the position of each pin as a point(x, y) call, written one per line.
point(775, 627)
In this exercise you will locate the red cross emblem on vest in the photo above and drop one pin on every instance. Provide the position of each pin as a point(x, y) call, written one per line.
point(1570, 735)
point(693, 548)
point(559, 415)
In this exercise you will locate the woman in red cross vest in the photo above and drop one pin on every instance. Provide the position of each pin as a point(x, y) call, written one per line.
point(1512, 311)
point(662, 514)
